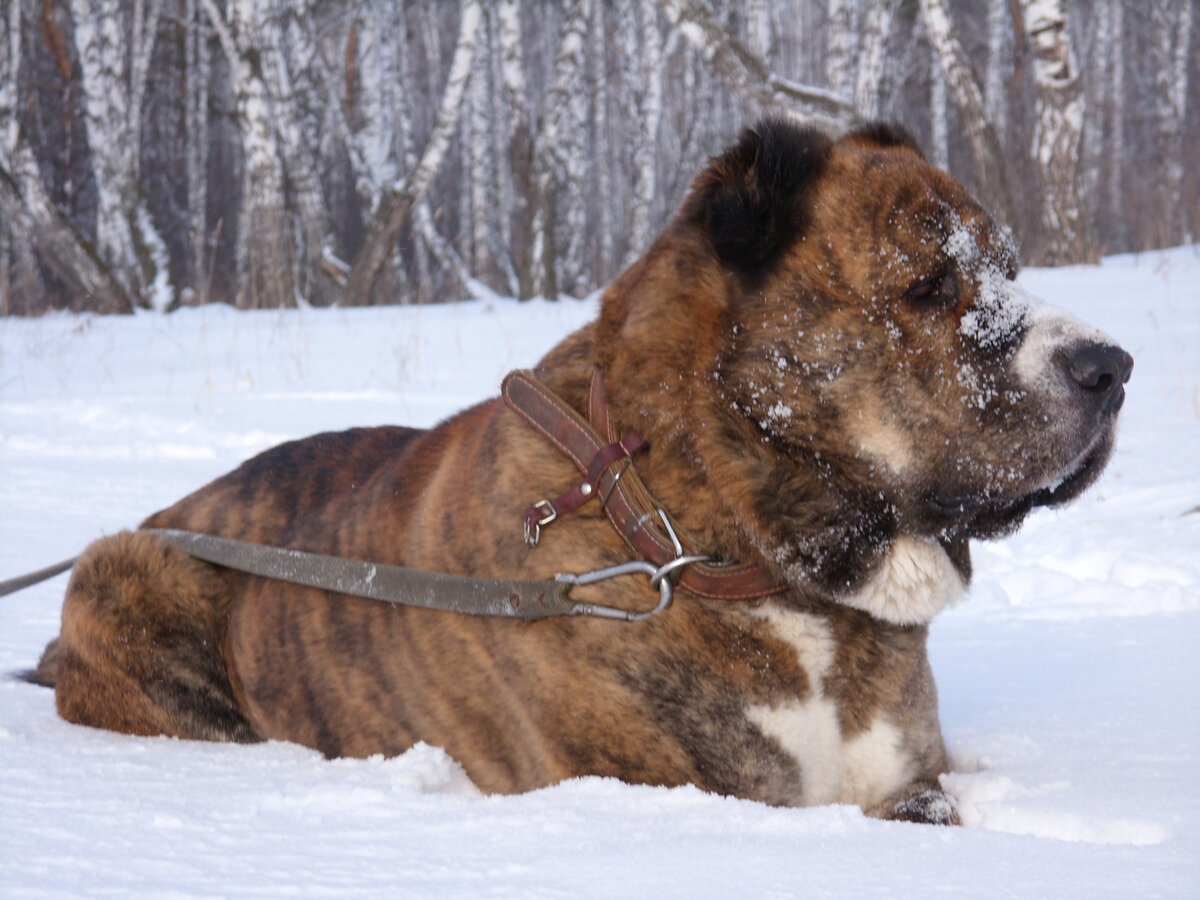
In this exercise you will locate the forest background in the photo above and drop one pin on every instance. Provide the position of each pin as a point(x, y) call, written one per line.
point(157, 153)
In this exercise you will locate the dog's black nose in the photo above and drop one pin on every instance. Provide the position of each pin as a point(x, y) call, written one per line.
point(1100, 371)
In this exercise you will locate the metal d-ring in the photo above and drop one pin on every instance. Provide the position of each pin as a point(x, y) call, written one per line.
point(681, 559)
point(661, 573)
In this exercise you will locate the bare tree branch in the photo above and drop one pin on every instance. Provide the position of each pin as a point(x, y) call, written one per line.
point(749, 75)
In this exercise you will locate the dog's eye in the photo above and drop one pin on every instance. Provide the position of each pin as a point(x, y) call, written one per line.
point(941, 290)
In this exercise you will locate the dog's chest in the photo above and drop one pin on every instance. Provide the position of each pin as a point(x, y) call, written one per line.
point(834, 767)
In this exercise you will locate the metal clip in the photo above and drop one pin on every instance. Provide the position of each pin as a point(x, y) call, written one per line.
point(665, 591)
point(533, 528)
point(659, 578)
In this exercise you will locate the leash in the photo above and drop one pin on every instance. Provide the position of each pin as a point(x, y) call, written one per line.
point(516, 598)
point(524, 599)
point(12, 585)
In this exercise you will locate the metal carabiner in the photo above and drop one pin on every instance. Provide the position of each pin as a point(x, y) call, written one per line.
point(665, 590)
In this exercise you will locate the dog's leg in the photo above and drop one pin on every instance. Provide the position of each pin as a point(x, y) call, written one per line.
point(139, 651)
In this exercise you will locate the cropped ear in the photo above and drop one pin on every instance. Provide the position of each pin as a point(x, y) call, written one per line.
point(752, 198)
point(883, 134)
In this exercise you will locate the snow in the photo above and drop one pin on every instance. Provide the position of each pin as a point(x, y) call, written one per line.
point(1067, 676)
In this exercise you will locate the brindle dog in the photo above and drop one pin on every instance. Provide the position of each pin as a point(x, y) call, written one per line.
point(836, 379)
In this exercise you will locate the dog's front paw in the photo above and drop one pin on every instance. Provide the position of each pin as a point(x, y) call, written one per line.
point(922, 802)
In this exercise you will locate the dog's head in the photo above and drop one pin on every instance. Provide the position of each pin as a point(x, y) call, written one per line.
point(874, 372)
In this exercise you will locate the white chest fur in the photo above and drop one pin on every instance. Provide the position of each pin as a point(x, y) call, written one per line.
point(865, 769)
point(914, 583)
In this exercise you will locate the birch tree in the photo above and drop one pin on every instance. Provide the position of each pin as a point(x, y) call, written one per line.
point(29, 210)
point(749, 75)
point(264, 247)
point(554, 150)
point(113, 76)
point(1057, 134)
point(649, 117)
point(519, 142)
point(990, 169)
point(15, 255)
point(877, 27)
point(1172, 35)
point(288, 56)
point(999, 63)
point(65, 251)
point(195, 118)
point(842, 49)
point(398, 199)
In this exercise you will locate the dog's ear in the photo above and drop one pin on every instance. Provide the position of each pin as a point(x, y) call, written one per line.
point(883, 134)
point(752, 198)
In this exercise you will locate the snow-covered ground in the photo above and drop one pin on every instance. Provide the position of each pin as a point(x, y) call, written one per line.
point(1070, 678)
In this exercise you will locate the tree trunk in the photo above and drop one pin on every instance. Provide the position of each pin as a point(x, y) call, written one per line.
point(645, 154)
point(99, 42)
point(196, 88)
point(64, 250)
point(877, 27)
point(841, 50)
point(553, 150)
point(519, 145)
point(1172, 38)
point(264, 246)
point(1057, 136)
point(750, 76)
point(991, 174)
point(398, 200)
point(284, 63)
point(999, 63)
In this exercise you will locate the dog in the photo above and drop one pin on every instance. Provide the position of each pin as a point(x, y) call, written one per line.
point(829, 382)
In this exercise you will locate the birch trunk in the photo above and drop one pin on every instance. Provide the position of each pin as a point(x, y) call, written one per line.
point(749, 74)
point(479, 198)
point(397, 201)
point(30, 217)
point(649, 115)
point(991, 173)
point(63, 249)
point(1116, 135)
point(842, 46)
point(1172, 39)
point(284, 64)
point(573, 152)
point(264, 245)
point(1057, 135)
point(519, 145)
point(599, 222)
point(12, 253)
point(999, 63)
point(939, 116)
point(196, 88)
point(550, 161)
point(877, 27)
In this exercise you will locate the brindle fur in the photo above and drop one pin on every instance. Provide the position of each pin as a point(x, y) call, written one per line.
point(761, 291)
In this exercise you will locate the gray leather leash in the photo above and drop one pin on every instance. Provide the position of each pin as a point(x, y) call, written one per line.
point(515, 598)
point(12, 585)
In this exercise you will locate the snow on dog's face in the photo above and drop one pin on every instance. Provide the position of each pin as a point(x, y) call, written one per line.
point(884, 354)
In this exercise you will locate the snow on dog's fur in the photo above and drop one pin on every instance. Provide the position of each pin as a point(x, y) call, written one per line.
point(836, 379)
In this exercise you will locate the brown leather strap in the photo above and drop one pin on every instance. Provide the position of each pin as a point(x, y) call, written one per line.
point(546, 511)
point(626, 500)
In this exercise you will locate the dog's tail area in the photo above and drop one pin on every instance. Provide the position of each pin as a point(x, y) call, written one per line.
point(46, 673)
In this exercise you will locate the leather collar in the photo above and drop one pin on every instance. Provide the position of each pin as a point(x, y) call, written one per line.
point(609, 475)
